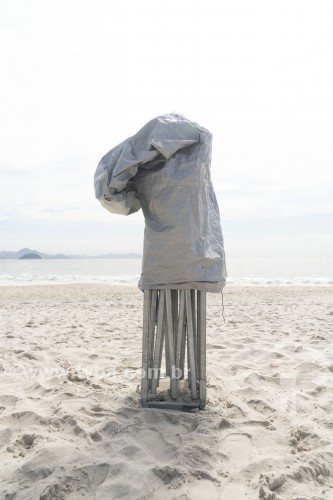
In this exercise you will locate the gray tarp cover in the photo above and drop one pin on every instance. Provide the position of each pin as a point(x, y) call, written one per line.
point(165, 170)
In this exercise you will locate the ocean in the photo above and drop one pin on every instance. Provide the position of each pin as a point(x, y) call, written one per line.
point(241, 272)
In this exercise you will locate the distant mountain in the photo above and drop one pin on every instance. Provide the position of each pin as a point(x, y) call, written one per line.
point(30, 255)
point(24, 251)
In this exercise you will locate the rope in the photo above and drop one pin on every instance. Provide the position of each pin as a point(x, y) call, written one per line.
point(222, 307)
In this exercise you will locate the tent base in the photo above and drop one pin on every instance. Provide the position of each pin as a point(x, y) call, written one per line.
point(174, 405)
point(174, 325)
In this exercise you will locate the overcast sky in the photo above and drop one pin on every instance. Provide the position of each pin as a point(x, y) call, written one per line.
point(80, 76)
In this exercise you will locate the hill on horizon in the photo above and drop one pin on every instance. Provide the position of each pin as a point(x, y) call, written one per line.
point(30, 255)
point(4, 254)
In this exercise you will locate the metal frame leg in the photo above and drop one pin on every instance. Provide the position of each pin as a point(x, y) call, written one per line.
point(201, 313)
point(158, 345)
point(145, 343)
point(169, 340)
point(191, 348)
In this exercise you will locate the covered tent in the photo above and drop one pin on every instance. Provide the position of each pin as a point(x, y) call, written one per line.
point(165, 170)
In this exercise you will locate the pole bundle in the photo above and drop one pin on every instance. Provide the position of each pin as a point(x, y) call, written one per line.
point(174, 324)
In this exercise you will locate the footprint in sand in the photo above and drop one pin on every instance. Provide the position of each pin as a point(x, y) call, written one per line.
point(23, 444)
point(202, 489)
point(260, 406)
point(237, 447)
point(5, 435)
point(154, 442)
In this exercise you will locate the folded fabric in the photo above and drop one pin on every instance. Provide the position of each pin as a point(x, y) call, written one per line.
point(165, 170)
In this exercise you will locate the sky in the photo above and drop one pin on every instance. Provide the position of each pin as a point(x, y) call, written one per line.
point(80, 76)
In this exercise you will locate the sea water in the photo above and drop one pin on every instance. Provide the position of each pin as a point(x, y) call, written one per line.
point(269, 271)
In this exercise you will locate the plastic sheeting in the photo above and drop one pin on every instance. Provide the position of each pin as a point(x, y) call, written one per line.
point(165, 170)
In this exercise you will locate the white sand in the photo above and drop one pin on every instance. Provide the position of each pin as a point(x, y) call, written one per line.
point(71, 426)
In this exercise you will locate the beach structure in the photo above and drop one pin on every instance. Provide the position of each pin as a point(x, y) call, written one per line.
point(164, 169)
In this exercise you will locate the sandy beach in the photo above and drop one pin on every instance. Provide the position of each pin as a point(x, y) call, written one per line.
point(71, 426)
